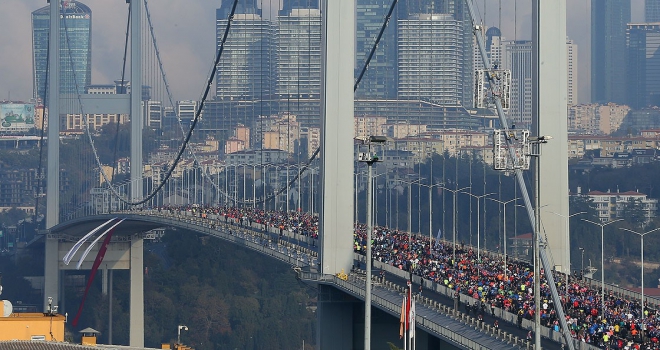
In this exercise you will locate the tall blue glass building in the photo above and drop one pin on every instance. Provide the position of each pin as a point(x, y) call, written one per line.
point(608, 49)
point(75, 48)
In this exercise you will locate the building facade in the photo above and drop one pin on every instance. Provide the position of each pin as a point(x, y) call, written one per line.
point(431, 63)
point(613, 205)
point(608, 49)
point(571, 57)
point(245, 68)
point(76, 48)
point(380, 79)
point(518, 58)
point(643, 65)
point(298, 63)
point(651, 11)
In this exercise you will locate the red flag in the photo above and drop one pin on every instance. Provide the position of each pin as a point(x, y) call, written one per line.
point(95, 267)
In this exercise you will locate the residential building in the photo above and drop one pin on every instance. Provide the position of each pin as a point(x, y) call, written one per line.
point(380, 80)
point(455, 140)
point(572, 65)
point(421, 148)
point(76, 47)
point(431, 61)
point(366, 126)
point(612, 205)
point(245, 68)
point(608, 50)
point(403, 130)
point(596, 119)
point(518, 58)
point(651, 11)
point(643, 65)
point(298, 63)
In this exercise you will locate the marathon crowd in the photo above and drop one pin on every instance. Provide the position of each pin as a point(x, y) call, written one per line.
point(623, 325)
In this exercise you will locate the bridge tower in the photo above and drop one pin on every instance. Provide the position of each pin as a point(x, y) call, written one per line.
point(95, 103)
point(335, 314)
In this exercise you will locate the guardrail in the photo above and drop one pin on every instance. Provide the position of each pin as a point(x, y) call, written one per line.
point(423, 322)
point(218, 226)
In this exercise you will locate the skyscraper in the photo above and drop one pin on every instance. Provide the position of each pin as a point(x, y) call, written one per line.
point(608, 48)
point(643, 66)
point(245, 68)
point(572, 56)
point(380, 79)
point(518, 58)
point(431, 61)
point(75, 49)
point(651, 11)
point(289, 5)
point(299, 53)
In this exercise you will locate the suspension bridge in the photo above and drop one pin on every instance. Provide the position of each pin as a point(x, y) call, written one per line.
point(318, 103)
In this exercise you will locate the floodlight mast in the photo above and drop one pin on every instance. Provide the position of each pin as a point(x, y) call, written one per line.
point(521, 183)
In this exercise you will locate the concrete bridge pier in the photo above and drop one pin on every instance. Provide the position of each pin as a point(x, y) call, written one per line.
point(124, 252)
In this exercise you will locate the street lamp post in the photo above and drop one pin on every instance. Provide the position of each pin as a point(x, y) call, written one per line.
point(454, 192)
point(641, 236)
point(602, 259)
point(410, 183)
point(504, 203)
point(430, 186)
point(178, 333)
point(369, 158)
point(582, 258)
point(478, 220)
point(568, 235)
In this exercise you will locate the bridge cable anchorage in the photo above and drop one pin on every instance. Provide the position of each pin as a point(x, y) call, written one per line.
point(521, 182)
point(182, 149)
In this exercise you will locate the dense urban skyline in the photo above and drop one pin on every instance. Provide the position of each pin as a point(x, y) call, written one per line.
point(186, 35)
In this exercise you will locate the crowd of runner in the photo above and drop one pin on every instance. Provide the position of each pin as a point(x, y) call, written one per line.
point(623, 325)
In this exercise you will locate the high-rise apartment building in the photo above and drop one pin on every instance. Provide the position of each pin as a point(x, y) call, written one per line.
point(518, 58)
point(643, 66)
point(245, 68)
point(571, 57)
point(289, 5)
point(380, 78)
point(651, 11)
point(608, 49)
point(75, 49)
point(299, 54)
point(431, 61)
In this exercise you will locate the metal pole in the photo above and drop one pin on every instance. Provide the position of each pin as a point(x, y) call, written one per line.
point(642, 249)
point(602, 259)
point(367, 296)
point(537, 269)
point(479, 230)
point(454, 231)
point(430, 217)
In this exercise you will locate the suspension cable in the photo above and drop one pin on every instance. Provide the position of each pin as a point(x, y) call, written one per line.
point(189, 134)
point(123, 75)
point(355, 86)
point(40, 169)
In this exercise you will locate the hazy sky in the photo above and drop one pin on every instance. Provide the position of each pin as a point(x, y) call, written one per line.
point(185, 30)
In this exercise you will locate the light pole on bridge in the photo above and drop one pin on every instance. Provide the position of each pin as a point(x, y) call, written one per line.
point(478, 219)
point(369, 158)
point(454, 192)
point(602, 259)
point(504, 203)
point(641, 236)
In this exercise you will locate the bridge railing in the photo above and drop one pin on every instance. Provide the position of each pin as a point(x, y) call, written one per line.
point(422, 322)
point(499, 312)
